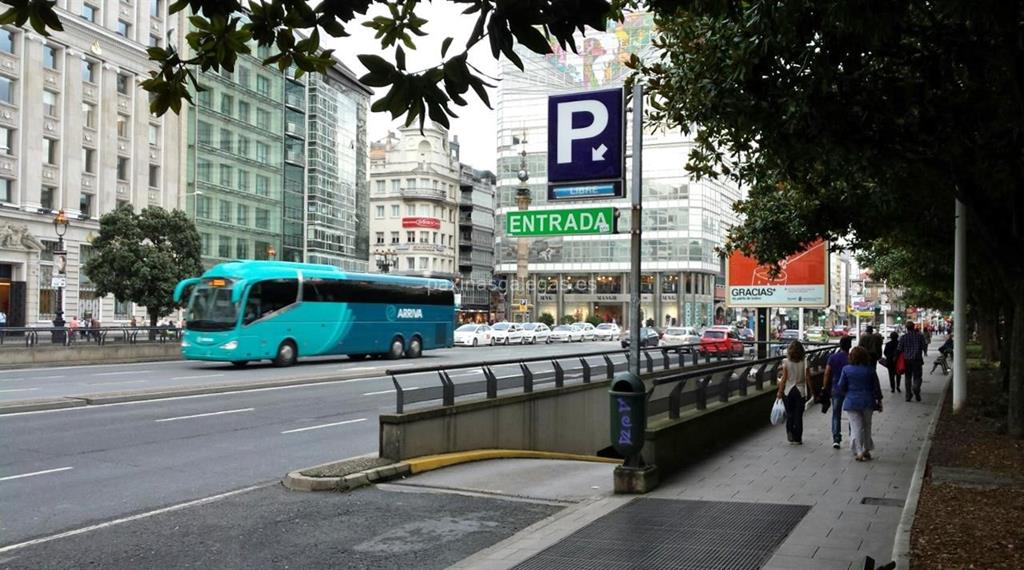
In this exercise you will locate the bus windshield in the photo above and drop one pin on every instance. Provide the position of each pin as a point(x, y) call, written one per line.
point(210, 308)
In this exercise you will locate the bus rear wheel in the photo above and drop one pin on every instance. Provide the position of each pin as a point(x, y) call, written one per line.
point(286, 354)
point(396, 350)
point(415, 348)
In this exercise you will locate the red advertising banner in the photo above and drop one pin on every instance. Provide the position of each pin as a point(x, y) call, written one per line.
point(802, 281)
point(425, 223)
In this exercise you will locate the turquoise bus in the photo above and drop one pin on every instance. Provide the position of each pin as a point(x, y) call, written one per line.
point(244, 311)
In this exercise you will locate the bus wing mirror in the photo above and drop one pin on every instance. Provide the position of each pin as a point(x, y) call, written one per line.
point(179, 289)
point(237, 290)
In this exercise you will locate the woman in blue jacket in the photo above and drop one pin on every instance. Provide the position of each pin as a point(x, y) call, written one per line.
point(862, 395)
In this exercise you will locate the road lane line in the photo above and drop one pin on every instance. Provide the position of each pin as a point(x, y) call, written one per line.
point(19, 390)
point(354, 368)
point(23, 475)
point(325, 425)
point(390, 391)
point(178, 507)
point(120, 373)
point(194, 377)
point(113, 383)
point(238, 411)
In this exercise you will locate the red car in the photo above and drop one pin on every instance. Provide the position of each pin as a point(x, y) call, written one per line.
point(723, 340)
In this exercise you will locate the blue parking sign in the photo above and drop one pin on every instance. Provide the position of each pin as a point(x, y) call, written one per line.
point(585, 138)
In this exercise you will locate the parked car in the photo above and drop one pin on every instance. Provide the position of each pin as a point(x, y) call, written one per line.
point(507, 333)
point(587, 329)
point(785, 338)
point(721, 340)
point(680, 336)
point(473, 335)
point(815, 334)
point(566, 333)
point(607, 331)
point(648, 337)
point(838, 331)
point(536, 332)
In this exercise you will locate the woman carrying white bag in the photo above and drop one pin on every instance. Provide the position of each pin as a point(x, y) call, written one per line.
point(778, 412)
point(792, 389)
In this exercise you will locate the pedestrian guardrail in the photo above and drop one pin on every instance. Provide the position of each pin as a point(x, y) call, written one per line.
point(30, 337)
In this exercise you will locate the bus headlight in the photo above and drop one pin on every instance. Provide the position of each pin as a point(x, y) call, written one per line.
point(185, 344)
point(230, 345)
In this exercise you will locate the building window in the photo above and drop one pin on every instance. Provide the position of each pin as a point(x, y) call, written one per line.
point(203, 170)
point(263, 119)
point(124, 82)
point(243, 147)
point(380, 237)
point(50, 57)
point(242, 216)
point(410, 237)
point(154, 135)
point(89, 115)
point(380, 212)
point(123, 172)
point(203, 206)
point(46, 195)
point(154, 176)
point(124, 29)
point(243, 180)
point(262, 185)
point(205, 133)
point(262, 219)
point(227, 104)
point(243, 111)
point(224, 246)
point(379, 188)
point(226, 138)
point(120, 204)
point(6, 41)
point(225, 175)
point(394, 237)
point(89, 71)
point(89, 160)
point(410, 263)
point(225, 211)
point(7, 141)
point(85, 204)
point(122, 126)
point(205, 96)
point(396, 210)
point(262, 85)
point(262, 152)
point(49, 103)
point(424, 262)
point(243, 76)
point(6, 90)
point(205, 239)
point(90, 12)
point(122, 309)
point(424, 237)
point(155, 8)
point(154, 40)
point(50, 151)
point(242, 249)
point(6, 190)
point(410, 210)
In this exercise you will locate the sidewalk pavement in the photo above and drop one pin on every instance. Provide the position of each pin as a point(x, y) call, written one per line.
point(854, 508)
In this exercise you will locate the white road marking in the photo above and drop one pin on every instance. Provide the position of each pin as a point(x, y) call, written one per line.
point(390, 391)
point(325, 425)
point(120, 373)
point(114, 522)
point(354, 368)
point(27, 379)
point(113, 383)
point(198, 376)
point(23, 475)
point(13, 379)
point(238, 411)
point(19, 390)
point(49, 377)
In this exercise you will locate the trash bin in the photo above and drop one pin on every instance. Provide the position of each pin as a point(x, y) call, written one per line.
point(628, 407)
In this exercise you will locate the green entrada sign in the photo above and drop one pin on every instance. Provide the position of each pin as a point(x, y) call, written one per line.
point(575, 222)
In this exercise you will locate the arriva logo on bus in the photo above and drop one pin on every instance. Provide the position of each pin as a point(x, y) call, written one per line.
point(394, 313)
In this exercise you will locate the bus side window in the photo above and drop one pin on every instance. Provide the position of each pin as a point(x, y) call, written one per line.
point(252, 305)
point(311, 291)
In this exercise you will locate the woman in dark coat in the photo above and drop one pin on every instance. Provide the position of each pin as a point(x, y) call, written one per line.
point(891, 354)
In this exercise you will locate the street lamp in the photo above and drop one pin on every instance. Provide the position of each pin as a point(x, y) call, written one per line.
point(523, 246)
point(386, 259)
point(60, 259)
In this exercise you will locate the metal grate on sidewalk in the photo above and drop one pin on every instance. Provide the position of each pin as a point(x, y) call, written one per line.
point(678, 534)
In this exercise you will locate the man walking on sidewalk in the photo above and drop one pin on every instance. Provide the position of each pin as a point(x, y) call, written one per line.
point(872, 342)
point(913, 348)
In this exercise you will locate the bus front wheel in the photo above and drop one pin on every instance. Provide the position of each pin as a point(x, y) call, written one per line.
point(415, 348)
point(285, 354)
point(397, 349)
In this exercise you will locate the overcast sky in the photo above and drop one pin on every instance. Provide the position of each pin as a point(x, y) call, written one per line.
point(475, 125)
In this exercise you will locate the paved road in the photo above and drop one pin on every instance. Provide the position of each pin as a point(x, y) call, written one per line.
point(54, 382)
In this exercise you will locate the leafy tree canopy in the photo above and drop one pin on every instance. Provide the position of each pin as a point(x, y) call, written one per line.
point(292, 29)
point(140, 257)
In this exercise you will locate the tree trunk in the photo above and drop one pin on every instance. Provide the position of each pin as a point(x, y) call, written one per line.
point(988, 333)
point(1004, 347)
point(153, 318)
point(1015, 413)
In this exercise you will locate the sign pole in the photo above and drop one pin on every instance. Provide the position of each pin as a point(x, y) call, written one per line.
point(636, 230)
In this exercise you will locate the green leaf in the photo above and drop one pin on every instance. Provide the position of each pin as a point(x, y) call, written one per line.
point(447, 43)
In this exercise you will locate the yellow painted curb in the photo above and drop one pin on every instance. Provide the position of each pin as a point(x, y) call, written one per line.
point(431, 462)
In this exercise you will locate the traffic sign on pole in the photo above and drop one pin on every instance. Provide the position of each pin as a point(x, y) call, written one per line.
point(585, 145)
point(578, 221)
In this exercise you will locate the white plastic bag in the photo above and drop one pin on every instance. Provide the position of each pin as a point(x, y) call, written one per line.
point(778, 412)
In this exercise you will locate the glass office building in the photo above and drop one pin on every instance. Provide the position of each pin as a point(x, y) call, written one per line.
point(582, 277)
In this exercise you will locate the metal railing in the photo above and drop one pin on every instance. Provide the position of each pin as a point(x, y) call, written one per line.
point(675, 364)
point(64, 336)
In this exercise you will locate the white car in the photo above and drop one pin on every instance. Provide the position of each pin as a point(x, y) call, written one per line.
point(473, 335)
point(607, 331)
point(507, 333)
point(536, 332)
point(680, 336)
point(566, 333)
point(588, 330)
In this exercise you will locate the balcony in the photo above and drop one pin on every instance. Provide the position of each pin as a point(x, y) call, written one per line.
point(466, 219)
point(425, 193)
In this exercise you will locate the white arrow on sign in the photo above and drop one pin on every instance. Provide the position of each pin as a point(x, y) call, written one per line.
point(567, 134)
point(597, 154)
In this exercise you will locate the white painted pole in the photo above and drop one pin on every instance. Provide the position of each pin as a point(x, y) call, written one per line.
point(637, 227)
point(960, 310)
point(800, 323)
